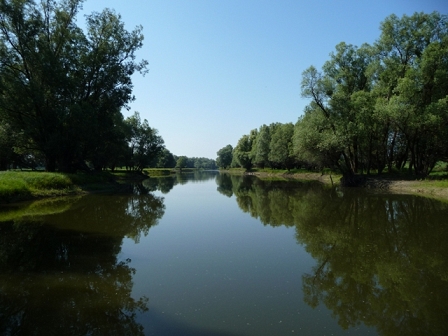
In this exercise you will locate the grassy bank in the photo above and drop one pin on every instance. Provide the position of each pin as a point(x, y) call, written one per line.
point(18, 186)
point(435, 185)
point(155, 172)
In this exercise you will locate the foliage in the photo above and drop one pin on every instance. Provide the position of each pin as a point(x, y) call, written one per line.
point(281, 148)
point(242, 153)
point(181, 162)
point(144, 142)
point(373, 108)
point(165, 159)
point(64, 88)
point(225, 156)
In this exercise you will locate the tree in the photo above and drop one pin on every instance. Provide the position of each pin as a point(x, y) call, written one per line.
point(412, 90)
point(6, 146)
point(203, 163)
point(260, 149)
point(165, 159)
point(242, 152)
point(281, 148)
point(333, 92)
point(61, 87)
point(225, 156)
point(181, 162)
point(144, 142)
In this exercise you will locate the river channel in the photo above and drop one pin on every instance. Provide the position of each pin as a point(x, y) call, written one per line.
point(214, 254)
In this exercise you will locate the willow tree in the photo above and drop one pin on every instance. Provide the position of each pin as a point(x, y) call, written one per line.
point(225, 155)
point(412, 84)
point(144, 142)
point(340, 121)
point(281, 147)
point(242, 153)
point(377, 105)
point(61, 86)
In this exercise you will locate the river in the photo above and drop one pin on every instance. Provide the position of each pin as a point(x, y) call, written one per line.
point(215, 254)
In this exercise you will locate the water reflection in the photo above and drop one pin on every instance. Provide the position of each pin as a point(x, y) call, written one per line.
point(381, 260)
point(166, 183)
point(60, 272)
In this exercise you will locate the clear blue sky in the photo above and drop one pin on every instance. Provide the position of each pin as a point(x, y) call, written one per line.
point(219, 68)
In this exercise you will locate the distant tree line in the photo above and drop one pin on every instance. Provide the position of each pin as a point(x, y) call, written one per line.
point(194, 162)
point(379, 107)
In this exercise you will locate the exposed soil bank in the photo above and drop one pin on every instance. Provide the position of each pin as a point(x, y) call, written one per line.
point(383, 184)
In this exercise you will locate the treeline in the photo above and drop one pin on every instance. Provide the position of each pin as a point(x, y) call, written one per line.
point(194, 162)
point(380, 107)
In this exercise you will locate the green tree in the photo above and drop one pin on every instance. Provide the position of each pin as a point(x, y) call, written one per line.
point(281, 147)
point(144, 142)
point(182, 162)
point(7, 154)
point(61, 87)
point(165, 159)
point(261, 149)
point(225, 155)
point(412, 90)
point(242, 152)
point(333, 93)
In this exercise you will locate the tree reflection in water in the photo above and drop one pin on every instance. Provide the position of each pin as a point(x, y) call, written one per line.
point(166, 183)
point(382, 259)
point(60, 273)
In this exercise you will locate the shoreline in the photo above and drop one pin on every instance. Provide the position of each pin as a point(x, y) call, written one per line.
point(374, 183)
point(22, 190)
point(119, 184)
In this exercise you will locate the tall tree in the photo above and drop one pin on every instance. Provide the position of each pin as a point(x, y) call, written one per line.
point(182, 162)
point(165, 159)
point(281, 146)
point(144, 141)
point(61, 87)
point(260, 149)
point(412, 84)
point(333, 93)
point(224, 158)
point(242, 153)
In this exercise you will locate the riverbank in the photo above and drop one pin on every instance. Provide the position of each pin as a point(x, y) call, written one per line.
point(432, 187)
point(18, 186)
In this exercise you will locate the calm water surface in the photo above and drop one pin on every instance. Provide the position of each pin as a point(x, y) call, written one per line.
point(221, 255)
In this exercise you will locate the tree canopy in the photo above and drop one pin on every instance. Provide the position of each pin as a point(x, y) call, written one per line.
point(63, 88)
point(372, 108)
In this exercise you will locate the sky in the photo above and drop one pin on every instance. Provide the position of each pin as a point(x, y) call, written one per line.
point(220, 68)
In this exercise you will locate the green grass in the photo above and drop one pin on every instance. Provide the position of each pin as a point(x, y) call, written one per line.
point(236, 170)
point(326, 171)
point(186, 170)
point(435, 183)
point(154, 172)
point(23, 185)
